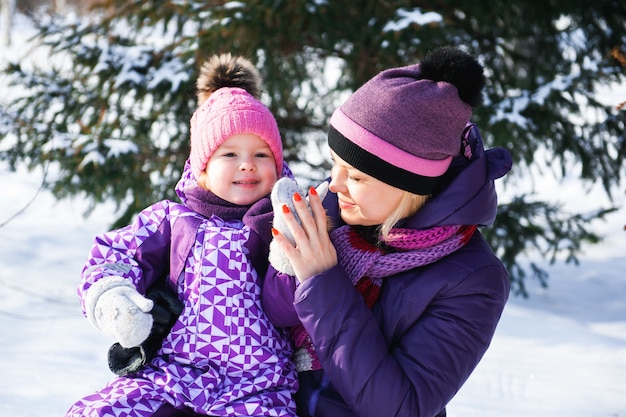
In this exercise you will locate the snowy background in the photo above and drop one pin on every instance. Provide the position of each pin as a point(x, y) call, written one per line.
point(559, 353)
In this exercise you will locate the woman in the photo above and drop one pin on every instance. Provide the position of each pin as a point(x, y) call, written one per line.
point(393, 309)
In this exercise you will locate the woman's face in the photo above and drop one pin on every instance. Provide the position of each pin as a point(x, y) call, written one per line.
point(363, 200)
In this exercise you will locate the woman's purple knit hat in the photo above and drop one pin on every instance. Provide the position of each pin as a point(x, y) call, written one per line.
point(404, 125)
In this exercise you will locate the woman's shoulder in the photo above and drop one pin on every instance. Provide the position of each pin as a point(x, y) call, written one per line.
point(475, 256)
point(468, 286)
point(472, 269)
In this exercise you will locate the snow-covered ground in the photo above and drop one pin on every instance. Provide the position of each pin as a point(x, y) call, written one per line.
point(560, 353)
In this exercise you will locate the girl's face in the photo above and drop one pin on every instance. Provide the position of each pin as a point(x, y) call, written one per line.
point(363, 200)
point(242, 170)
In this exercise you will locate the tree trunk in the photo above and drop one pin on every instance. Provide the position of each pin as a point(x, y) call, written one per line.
point(6, 9)
point(59, 5)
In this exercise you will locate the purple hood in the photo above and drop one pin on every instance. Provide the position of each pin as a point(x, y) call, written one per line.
point(469, 194)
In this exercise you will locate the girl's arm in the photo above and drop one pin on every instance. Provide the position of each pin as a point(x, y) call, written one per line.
point(137, 253)
point(312, 251)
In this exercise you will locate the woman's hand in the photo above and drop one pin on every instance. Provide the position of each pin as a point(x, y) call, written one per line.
point(313, 252)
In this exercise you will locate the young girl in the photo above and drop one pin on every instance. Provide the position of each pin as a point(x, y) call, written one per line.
point(222, 355)
point(394, 308)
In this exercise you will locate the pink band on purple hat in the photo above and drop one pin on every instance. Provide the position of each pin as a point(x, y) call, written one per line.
point(386, 151)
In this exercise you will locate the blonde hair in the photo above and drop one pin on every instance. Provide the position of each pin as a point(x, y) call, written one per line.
point(409, 205)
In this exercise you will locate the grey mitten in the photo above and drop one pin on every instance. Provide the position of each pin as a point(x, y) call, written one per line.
point(282, 194)
point(167, 308)
point(114, 306)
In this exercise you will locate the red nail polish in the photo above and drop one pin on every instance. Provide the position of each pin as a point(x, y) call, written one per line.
point(285, 208)
point(297, 197)
point(274, 232)
point(312, 191)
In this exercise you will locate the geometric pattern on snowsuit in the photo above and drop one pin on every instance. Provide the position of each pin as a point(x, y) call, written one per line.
point(222, 357)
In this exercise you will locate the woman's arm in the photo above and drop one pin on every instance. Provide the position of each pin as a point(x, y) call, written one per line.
point(277, 297)
point(304, 258)
point(411, 359)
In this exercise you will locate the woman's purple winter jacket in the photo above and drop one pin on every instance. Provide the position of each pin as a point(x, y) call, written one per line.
point(412, 352)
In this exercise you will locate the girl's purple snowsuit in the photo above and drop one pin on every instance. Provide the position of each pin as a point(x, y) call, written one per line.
point(223, 356)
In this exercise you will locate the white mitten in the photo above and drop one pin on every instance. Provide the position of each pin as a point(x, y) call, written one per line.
point(116, 308)
point(282, 194)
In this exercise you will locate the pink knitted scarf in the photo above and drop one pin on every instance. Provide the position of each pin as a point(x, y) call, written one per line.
point(410, 248)
point(367, 264)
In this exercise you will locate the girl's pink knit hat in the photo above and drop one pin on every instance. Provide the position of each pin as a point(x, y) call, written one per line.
point(227, 112)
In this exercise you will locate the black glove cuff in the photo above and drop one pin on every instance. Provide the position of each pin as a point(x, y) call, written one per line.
point(124, 361)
